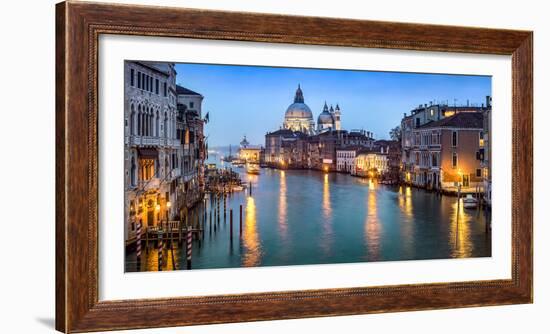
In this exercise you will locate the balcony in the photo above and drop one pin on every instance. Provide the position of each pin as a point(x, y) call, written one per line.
point(151, 184)
point(141, 141)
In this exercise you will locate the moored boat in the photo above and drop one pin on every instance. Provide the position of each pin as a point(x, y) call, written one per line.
point(252, 168)
point(469, 202)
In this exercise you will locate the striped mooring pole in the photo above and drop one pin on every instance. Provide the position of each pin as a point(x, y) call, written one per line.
point(138, 246)
point(189, 248)
point(160, 250)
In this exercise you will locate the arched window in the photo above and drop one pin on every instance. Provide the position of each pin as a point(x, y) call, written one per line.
point(132, 119)
point(139, 121)
point(165, 125)
point(157, 125)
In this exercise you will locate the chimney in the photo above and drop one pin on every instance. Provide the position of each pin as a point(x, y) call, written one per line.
point(489, 101)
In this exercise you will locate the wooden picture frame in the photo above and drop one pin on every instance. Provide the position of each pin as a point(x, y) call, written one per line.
point(78, 27)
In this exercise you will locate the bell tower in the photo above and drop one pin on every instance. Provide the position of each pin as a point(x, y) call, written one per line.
point(337, 115)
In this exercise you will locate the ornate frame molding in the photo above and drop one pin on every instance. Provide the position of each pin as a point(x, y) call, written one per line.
point(78, 27)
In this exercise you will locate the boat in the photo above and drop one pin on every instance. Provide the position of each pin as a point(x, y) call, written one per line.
point(237, 162)
point(469, 202)
point(252, 168)
point(238, 188)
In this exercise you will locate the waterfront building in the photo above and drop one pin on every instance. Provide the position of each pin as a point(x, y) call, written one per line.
point(392, 148)
point(298, 116)
point(345, 159)
point(299, 145)
point(420, 116)
point(428, 157)
point(445, 153)
point(249, 153)
point(485, 154)
point(371, 163)
point(193, 147)
point(151, 144)
point(285, 148)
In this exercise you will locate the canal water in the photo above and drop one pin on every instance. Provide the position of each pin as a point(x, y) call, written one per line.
point(297, 217)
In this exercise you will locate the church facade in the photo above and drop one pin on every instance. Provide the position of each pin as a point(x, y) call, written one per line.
point(301, 143)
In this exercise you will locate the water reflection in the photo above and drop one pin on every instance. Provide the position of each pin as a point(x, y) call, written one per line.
point(372, 225)
point(405, 203)
point(252, 251)
point(283, 228)
point(326, 238)
point(459, 232)
point(309, 217)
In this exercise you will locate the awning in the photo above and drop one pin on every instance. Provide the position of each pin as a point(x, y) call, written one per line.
point(148, 153)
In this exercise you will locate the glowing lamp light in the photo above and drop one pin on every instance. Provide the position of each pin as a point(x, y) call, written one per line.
point(157, 208)
point(168, 204)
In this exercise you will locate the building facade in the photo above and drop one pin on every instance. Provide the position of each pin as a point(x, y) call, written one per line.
point(433, 156)
point(486, 154)
point(150, 143)
point(193, 147)
point(163, 145)
point(445, 154)
point(372, 164)
point(298, 144)
point(250, 153)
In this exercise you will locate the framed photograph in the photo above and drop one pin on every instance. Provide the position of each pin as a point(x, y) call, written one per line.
point(222, 166)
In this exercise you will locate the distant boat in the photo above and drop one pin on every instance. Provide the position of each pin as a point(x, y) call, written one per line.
point(237, 162)
point(252, 168)
point(469, 202)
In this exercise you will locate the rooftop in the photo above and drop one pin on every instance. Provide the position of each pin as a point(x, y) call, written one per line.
point(180, 90)
point(469, 120)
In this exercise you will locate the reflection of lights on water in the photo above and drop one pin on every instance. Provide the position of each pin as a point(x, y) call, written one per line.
point(459, 232)
point(282, 205)
point(251, 241)
point(372, 184)
point(327, 215)
point(407, 227)
point(372, 226)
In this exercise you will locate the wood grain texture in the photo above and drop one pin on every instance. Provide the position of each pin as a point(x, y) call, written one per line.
point(78, 27)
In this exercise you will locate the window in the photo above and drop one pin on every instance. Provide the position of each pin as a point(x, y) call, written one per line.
point(478, 172)
point(157, 86)
point(417, 122)
point(132, 77)
point(151, 84)
point(454, 140)
point(481, 141)
point(455, 160)
point(139, 79)
point(434, 160)
point(164, 88)
point(191, 105)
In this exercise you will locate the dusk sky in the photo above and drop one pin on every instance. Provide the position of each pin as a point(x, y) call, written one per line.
point(252, 100)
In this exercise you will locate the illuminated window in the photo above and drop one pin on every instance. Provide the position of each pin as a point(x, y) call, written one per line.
point(455, 160)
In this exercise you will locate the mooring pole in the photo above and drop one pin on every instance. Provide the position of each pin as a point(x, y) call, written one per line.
point(189, 247)
point(159, 246)
point(240, 220)
point(231, 224)
point(138, 246)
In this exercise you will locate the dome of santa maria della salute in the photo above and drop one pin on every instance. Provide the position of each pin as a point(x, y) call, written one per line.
point(298, 116)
